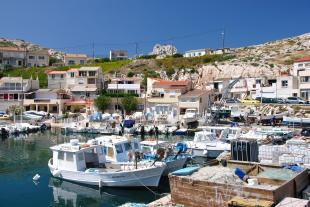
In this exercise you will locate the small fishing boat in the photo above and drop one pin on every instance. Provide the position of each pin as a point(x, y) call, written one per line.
point(182, 131)
point(175, 157)
point(86, 163)
point(122, 149)
point(206, 144)
point(297, 121)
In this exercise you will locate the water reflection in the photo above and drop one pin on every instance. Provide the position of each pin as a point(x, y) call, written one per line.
point(73, 195)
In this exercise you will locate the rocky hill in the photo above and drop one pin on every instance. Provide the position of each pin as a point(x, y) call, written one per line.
point(268, 59)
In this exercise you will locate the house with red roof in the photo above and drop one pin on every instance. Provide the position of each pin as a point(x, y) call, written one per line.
point(162, 98)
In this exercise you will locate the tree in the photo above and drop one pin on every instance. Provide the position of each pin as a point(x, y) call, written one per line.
point(102, 102)
point(170, 72)
point(177, 55)
point(129, 103)
point(130, 74)
point(52, 60)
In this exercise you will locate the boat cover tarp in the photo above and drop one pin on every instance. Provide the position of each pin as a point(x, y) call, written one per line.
point(129, 123)
point(186, 171)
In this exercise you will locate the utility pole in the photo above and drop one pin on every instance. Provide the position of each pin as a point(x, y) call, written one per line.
point(93, 46)
point(137, 46)
point(223, 39)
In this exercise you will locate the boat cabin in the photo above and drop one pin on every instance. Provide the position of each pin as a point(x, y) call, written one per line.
point(150, 146)
point(223, 133)
point(117, 148)
point(77, 156)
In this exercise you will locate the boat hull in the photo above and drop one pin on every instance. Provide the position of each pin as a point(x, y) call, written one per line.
point(134, 178)
point(174, 165)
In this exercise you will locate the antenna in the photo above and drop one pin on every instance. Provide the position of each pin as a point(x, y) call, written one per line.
point(93, 45)
point(223, 38)
point(137, 46)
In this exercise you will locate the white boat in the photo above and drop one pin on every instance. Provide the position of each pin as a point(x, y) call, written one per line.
point(222, 132)
point(31, 115)
point(296, 120)
point(122, 149)
point(85, 163)
point(274, 133)
point(174, 161)
point(191, 115)
point(206, 144)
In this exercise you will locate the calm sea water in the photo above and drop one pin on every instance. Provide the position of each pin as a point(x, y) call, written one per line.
point(23, 157)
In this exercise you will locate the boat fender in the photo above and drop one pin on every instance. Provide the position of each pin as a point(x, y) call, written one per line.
point(56, 173)
point(100, 183)
point(205, 152)
point(36, 177)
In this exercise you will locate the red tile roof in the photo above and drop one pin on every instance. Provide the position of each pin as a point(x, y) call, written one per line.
point(169, 82)
point(56, 72)
point(303, 59)
point(72, 70)
point(12, 49)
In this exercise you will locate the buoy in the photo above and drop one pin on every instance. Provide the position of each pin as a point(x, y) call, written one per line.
point(36, 177)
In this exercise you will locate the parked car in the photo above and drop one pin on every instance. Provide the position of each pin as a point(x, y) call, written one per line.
point(295, 100)
point(232, 100)
point(281, 100)
point(266, 100)
point(305, 132)
point(249, 101)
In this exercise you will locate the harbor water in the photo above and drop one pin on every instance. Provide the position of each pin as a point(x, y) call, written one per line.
point(25, 156)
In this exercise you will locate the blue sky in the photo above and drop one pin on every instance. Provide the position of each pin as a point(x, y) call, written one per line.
point(72, 25)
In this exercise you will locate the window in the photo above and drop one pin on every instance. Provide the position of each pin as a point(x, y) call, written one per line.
point(69, 156)
point(71, 62)
point(41, 57)
point(61, 155)
point(31, 57)
point(82, 62)
point(136, 145)
point(127, 146)
point(83, 73)
point(61, 76)
point(80, 156)
point(307, 64)
point(284, 83)
point(305, 79)
point(118, 148)
point(300, 65)
point(72, 75)
point(92, 73)
point(53, 76)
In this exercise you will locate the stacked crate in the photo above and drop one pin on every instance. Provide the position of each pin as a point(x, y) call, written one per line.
point(293, 152)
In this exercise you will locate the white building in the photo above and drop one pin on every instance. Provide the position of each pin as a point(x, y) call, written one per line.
point(12, 57)
point(301, 69)
point(197, 53)
point(125, 85)
point(37, 58)
point(14, 89)
point(118, 54)
point(194, 99)
point(83, 83)
point(75, 59)
point(280, 87)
